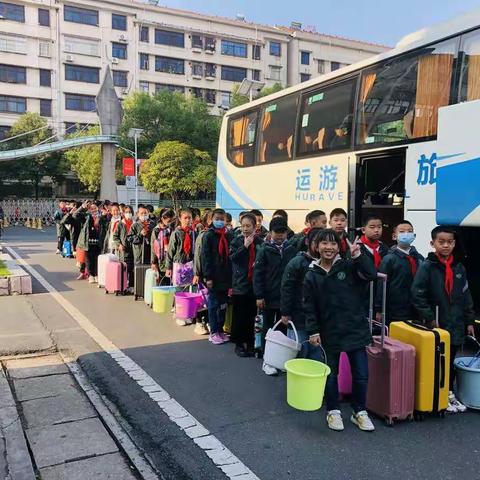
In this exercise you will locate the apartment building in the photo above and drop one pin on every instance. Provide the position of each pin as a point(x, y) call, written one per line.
point(53, 55)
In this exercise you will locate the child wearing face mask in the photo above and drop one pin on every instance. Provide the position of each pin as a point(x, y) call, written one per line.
point(123, 246)
point(401, 265)
point(160, 240)
point(110, 245)
point(217, 271)
point(140, 237)
point(270, 264)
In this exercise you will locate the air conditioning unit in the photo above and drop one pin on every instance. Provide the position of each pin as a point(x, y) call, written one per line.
point(125, 91)
point(123, 38)
point(115, 60)
point(69, 58)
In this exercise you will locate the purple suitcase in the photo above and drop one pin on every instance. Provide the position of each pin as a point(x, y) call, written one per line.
point(116, 280)
point(391, 372)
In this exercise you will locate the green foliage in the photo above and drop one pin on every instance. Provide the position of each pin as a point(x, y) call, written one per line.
point(169, 116)
point(175, 167)
point(238, 99)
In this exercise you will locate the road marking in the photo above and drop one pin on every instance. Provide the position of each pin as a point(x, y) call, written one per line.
point(220, 455)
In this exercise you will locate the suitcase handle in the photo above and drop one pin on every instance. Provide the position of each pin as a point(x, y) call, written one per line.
point(442, 368)
point(384, 328)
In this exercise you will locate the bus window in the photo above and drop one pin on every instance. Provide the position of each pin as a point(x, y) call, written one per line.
point(399, 99)
point(470, 73)
point(277, 130)
point(326, 119)
point(241, 151)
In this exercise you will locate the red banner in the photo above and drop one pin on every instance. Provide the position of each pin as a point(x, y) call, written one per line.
point(128, 167)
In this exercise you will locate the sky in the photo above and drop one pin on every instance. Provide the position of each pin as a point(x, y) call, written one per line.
point(376, 21)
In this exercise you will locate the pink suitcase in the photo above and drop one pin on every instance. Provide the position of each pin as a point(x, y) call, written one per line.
point(344, 376)
point(391, 373)
point(103, 261)
point(116, 280)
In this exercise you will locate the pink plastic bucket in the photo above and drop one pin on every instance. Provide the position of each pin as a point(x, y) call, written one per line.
point(187, 304)
point(344, 375)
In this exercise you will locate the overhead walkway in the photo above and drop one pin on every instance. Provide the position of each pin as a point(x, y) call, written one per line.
point(57, 146)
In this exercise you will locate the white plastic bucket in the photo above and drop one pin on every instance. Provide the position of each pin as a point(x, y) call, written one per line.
point(279, 348)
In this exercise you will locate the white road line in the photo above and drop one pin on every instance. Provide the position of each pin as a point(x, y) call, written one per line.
point(220, 455)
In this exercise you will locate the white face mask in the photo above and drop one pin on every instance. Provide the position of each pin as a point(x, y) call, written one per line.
point(143, 218)
point(128, 215)
point(116, 217)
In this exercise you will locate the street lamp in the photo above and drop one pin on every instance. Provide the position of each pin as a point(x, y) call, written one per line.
point(250, 88)
point(135, 133)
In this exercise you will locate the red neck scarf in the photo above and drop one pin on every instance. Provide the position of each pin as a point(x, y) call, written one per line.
point(375, 246)
point(187, 241)
point(413, 265)
point(128, 224)
point(251, 260)
point(115, 225)
point(146, 226)
point(448, 273)
point(343, 245)
point(96, 223)
point(222, 243)
point(306, 231)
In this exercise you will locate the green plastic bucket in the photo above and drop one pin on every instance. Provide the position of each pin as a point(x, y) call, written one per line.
point(306, 380)
point(162, 299)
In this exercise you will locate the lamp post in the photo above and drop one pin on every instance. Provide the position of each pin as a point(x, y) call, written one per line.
point(135, 133)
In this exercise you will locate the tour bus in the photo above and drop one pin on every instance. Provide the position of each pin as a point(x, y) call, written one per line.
point(397, 135)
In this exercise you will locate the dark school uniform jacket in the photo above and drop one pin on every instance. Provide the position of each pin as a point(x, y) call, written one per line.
point(141, 245)
point(239, 256)
point(383, 250)
point(120, 238)
point(175, 253)
point(298, 241)
point(399, 284)
point(334, 303)
point(268, 271)
point(109, 234)
point(60, 226)
point(197, 258)
point(292, 288)
point(76, 224)
point(89, 236)
point(167, 233)
point(428, 291)
point(214, 267)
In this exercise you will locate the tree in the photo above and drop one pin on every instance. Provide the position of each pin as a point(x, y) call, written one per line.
point(169, 116)
point(238, 99)
point(174, 168)
point(31, 129)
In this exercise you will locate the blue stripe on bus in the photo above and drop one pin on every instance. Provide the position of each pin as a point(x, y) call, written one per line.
point(225, 200)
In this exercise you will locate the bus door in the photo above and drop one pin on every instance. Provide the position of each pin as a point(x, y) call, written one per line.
point(380, 189)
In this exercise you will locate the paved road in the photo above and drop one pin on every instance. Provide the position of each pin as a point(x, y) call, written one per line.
point(231, 397)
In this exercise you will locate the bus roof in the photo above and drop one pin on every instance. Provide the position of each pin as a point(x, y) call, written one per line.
point(412, 41)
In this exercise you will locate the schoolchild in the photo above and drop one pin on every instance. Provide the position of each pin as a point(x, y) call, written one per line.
point(335, 318)
point(270, 264)
point(338, 223)
point(370, 243)
point(62, 231)
point(123, 245)
point(313, 219)
point(139, 237)
point(441, 283)
point(243, 252)
point(161, 239)
point(229, 220)
point(260, 230)
point(217, 271)
point(110, 245)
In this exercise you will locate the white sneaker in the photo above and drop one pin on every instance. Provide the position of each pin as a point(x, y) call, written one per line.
point(455, 403)
point(362, 421)
point(182, 323)
point(334, 420)
point(96, 279)
point(91, 279)
point(200, 329)
point(269, 370)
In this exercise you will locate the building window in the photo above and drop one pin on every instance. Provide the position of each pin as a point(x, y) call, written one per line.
point(144, 86)
point(44, 48)
point(119, 50)
point(197, 41)
point(197, 69)
point(321, 66)
point(12, 74)
point(234, 49)
point(256, 75)
point(77, 73)
point(80, 15)
point(12, 44)
point(162, 87)
point(305, 77)
point(144, 61)
point(305, 58)
point(210, 44)
point(45, 107)
point(233, 74)
point(172, 39)
point(225, 99)
point(197, 92)
point(45, 78)
point(256, 51)
point(44, 17)
point(144, 34)
point(276, 49)
point(334, 66)
point(82, 46)
point(81, 103)
point(4, 131)
point(10, 104)
point(210, 96)
point(210, 70)
point(119, 22)
point(120, 78)
point(11, 11)
point(170, 65)
point(275, 72)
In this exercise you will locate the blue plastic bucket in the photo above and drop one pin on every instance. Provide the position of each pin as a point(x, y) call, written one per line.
point(468, 381)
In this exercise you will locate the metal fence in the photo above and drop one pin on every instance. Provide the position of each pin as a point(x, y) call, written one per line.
point(18, 211)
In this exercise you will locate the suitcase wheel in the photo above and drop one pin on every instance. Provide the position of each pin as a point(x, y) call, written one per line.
point(136, 297)
point(389, 422)
point(419, 416)
point(116, 294)
point(106, 292)
point(442, 413)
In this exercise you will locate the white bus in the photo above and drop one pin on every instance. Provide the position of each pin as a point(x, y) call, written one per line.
point(397, 134)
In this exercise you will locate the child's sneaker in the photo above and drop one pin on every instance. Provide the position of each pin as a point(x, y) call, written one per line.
point(362, 421)
point(334, 420)
point(91, 279)
point(225, 337)
point(200, 329)
point(269, 370)
point(216, 339)
point(183, 322)
point(456, 404)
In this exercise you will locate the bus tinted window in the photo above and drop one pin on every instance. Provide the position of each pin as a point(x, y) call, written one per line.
point(399, 99)
point(242, 139)
point(277, 130)
point(326, 118)
point(470, 73)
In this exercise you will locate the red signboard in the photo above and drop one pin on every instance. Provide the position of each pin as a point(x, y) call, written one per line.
point(128, 167)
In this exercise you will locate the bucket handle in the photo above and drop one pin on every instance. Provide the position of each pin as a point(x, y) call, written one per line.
point(477, 355)
point(293, 327)
point(323, 350)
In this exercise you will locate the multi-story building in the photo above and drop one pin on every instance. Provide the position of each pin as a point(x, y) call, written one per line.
point(53, 55)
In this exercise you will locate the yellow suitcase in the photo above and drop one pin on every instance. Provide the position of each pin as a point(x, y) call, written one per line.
point(432, 364)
